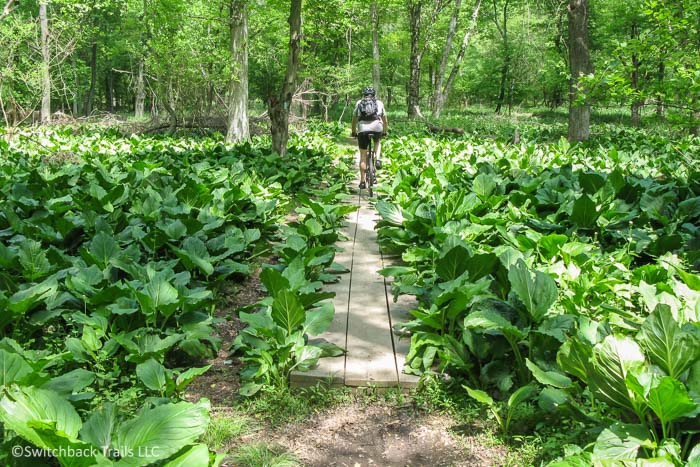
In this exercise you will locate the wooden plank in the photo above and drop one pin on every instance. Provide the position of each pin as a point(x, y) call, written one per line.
point(370, 359)
point(331, 370)
point(399, 314)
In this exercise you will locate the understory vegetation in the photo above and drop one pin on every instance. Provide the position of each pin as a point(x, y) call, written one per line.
point(114, 251)
point(558, 288)
point(558, 277)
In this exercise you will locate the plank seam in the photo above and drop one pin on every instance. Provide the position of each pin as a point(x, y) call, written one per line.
point(352, 263)
point(391, 325)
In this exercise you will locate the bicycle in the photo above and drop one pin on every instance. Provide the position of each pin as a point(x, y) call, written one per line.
point(371, 172)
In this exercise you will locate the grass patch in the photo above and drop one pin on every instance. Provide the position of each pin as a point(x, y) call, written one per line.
point(260, 454)
point(225, 428)
point(280, 405)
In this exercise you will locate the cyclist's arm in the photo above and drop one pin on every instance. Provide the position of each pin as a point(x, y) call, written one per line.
point(385, 124)
point(354, 125)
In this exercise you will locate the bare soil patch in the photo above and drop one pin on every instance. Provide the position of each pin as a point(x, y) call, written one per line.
point(381, 435)
point(221, 383)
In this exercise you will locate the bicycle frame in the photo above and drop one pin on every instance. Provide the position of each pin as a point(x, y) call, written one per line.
point(370, 172)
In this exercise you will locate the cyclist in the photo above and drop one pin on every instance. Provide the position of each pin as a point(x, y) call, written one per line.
point(369, 117)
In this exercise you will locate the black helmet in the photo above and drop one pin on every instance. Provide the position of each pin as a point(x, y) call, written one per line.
point(369, 92)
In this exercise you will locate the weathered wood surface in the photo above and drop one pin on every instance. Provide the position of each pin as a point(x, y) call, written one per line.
point(364, 315)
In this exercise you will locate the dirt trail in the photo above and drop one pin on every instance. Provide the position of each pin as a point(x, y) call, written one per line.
point(360, 435)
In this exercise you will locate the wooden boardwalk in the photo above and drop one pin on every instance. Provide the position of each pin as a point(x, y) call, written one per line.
point(364, 314)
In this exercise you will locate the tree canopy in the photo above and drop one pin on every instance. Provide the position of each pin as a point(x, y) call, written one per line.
point(178, 58)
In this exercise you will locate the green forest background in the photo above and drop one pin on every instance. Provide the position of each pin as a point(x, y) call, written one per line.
point(644, 55)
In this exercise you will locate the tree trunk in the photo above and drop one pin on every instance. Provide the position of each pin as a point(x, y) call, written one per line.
point(76, 96)
point(278, 106)
point(375, 46)
point(140, 92)
point(109, 91)
point(636, 112)
point(238, 94)
point(45, 70)
point(93, 80)
point(695, 129)
point(661, 71)
point(444, 93)
point(502, 89)
point(438, 95)
point(170, 105)
point(414, 12)
point(636, 107)
point(580, 64)
point(7, 9)
point(505, 68)
point(695, 113)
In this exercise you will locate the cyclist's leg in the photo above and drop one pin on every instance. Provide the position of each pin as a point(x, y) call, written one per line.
point(363, 164)
point(377, 149)
point(363, 142)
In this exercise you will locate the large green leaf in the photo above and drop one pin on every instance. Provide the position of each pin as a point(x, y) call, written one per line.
point(287, 312)
point(261, 321)
point(175, 229)
point(550, 245)
point(318, 320)
point(187, 376)
point(152, 374)
point(484, 185)
point(489, 320)
point(452, 264)
point(693, 381)
point(194, 254)
point(104, 249)
point(160, 432)
point(295, 273)
point(32, 258)
point(612, 360)
point(97, 430)
point(12, 368)
point(390, 212)
point(671, 348)
point(308, 358)
point(621, 442)
point(195, 456)
point(694, 456)
point(538, 292)
point(670, 400)
point(274, 281)
point(575, 357)
point(20, 406)
point(591, 182)
point(480, 396)
point(159, 295)
point(70, 452)
point(548, 378)
point(26, 299)
point(481, 265)
point(521, 395)
point(551, 399)
point(71, 382)
point(584, 213)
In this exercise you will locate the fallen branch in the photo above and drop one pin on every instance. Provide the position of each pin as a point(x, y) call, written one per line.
point(442, 130)
point(7, 10)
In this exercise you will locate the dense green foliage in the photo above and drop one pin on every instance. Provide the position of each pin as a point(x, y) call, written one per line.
point(644, 54)
point(113, 252)
point(557, 274)
point(548, 275)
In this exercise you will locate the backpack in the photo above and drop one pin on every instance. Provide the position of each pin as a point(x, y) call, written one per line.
point(368, 109)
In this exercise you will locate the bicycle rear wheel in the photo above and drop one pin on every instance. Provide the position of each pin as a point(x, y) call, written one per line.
point(370, 173)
